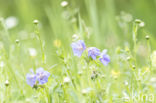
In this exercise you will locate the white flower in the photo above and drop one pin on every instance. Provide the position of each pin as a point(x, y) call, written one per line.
point(75, 37)
point(66, 80)
point(64, 3)
point(32, 52)
point(126, 83)
point(1, 64)
point(86, 90)
point(142, 24)
point(11, 22)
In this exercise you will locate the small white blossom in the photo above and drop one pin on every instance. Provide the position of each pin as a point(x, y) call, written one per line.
point(1, 64)
point(126, 83)
point(66, 80)
point(142, 24)
point(75, 37)
point(11, 22)
point(32, 52)
point(64, 3)
point(86, 90)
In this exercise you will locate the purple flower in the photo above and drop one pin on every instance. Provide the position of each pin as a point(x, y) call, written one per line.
point(78, 47)
point(93, 52)
point(104, 58)
point(31, 78)
point(42, 76)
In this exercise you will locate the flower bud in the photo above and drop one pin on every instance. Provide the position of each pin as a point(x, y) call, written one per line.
point(133, 66)
point(6, 83)
point(138, 21)
point(35, 22)
point(17, 41)
point(147, 37)
point(128, 58)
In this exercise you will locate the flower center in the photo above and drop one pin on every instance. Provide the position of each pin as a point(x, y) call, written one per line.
point(41, 76)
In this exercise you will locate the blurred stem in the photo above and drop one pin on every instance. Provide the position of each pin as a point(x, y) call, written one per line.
point(5, 36)
point(48, 94)
point(41, 43)
point(10, 68)
point(7, 92)
point(135, 29)
point(69, 74)
point(149, 53)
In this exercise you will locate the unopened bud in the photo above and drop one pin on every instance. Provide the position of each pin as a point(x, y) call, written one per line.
point(128, 58)
point(17, 41)
point(6, 83)
point(147, 37)
point(138, 21)
point(35, 22)
point(133, 66)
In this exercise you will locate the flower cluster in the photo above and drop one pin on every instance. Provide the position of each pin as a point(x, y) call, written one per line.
point(79, 47)
point(41, 77)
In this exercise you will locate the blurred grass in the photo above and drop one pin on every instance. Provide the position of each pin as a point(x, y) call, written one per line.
point(94, 18)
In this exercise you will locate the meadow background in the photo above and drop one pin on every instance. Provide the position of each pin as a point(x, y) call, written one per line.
point(105, 24)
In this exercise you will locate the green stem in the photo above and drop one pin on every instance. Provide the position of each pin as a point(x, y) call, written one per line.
point(149, 55)
point(41, 43)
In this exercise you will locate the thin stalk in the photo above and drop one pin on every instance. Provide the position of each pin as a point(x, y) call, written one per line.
point(149, 52)
point(41, 43)
point(135, 29)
